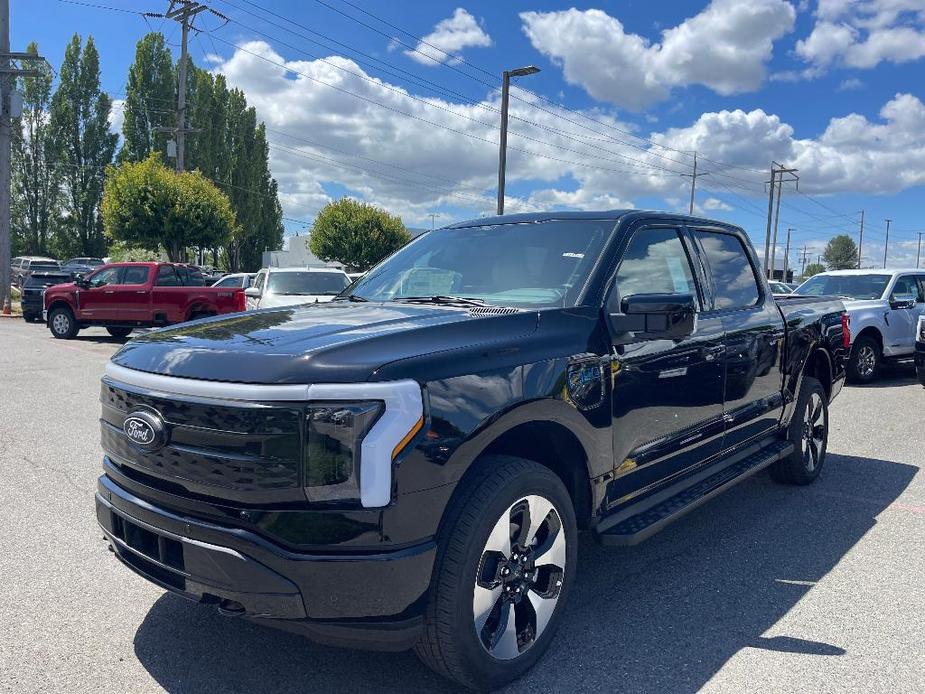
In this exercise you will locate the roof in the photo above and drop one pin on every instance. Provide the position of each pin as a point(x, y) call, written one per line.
point(874, 271)
point(306, 269)
point(555, 215)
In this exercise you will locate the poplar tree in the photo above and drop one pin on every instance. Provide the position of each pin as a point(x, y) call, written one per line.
point(82, 146)
point(35, 175)
point(150, 93)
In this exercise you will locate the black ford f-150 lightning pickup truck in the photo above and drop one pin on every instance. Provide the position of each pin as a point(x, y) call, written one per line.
point(410, 464)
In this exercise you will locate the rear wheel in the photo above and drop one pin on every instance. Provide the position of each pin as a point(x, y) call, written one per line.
point(29, 317)
point(865, 359)
point(809, 433)
point(119, 332)
point(506, 561)
point(62, 324)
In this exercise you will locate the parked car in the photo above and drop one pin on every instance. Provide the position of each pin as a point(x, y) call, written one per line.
point(409, 465)
point(884, 306)
point(286, 286)
point(124, 296)
point(237, 279)
point(21, 267)
point(33, 292)
point(81, 265)
point(780, 287)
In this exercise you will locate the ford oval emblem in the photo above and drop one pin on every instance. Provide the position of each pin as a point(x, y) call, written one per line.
point(145, 430)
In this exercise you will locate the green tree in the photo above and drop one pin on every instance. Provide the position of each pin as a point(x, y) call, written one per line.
point(356, 234)
point(82, 146)
point(35, 176)
point(149, 94)
point(149, 205)
point(841, 253)
point(813, 269)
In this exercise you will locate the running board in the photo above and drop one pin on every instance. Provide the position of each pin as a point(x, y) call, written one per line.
point(646, 523)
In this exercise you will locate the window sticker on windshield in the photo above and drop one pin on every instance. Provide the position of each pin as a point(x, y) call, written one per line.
point(678, 276)
point(569, 254)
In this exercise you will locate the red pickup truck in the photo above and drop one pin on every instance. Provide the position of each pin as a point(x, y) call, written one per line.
point(123, 296)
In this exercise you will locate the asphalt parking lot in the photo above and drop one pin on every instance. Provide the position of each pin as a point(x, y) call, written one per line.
point(768, 588)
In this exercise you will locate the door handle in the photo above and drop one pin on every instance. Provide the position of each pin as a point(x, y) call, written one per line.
point(141, 291)
point(109, 291)
point(711, 353)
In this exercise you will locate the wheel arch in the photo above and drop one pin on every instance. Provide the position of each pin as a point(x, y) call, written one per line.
point(872, 332)
point(61, 303)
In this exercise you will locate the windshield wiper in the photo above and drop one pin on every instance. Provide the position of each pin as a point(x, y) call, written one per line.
point(351, 297)
point(442, 299)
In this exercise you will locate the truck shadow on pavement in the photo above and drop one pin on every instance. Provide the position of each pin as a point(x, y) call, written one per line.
point(663, 616)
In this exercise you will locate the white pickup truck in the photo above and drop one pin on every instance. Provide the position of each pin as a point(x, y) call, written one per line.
point(884, 306)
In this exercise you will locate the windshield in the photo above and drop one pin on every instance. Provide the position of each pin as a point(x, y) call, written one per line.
point(522, 265)
point(325, 283)
point(43, 266)
point(850, 286)
point(46, 280)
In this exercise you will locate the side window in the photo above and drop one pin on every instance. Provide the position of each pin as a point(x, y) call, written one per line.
point(735, 284)
point(261, 278)
point(166, 277)
point(135, 275)
point(103, 277)
point(921, 296)
point(655, 262)
point(905, 289)
point(229, 282)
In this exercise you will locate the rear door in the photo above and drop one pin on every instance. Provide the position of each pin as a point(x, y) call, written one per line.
point(754, 336)
point(168, 302)
point(667, 394)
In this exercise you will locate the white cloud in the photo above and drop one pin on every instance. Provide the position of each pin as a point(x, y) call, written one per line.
point(450, 36)
point(725, 47)
point(864, 33)
point(715, 204)
point(851, 84)
point(117, 116)
point(402, 153)
point(853, 154)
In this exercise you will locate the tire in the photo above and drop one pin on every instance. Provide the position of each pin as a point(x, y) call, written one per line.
point(864, 362)
point(809, 433)
point(29, 317)
point(62, 324)
point(119, 332)
point(469, 576)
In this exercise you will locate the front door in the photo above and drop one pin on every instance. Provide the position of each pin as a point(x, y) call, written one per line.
point(98, 301)
point(903, 319)
point(130, 298)
point(755, 336)
point(667, 394)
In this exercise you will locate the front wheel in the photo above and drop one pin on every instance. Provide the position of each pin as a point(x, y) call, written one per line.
point(864, 361)
point(809, 433)
point(119, 332)
point(506, 561)
point(62, 324)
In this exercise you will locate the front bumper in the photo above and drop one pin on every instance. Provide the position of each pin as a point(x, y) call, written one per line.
point(920, 361)
point(362, 600)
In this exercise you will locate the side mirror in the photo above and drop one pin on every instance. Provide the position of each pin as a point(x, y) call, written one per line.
point(81, 281)
point(655, 316)
point(252, 292)
point(897, 303)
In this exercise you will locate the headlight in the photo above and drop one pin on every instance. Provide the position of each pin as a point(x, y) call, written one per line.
point(920, 331)
point(332, 456)
point(354, 433)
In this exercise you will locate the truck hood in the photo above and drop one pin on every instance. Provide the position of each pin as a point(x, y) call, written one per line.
point(337, 342)
point(275, 300)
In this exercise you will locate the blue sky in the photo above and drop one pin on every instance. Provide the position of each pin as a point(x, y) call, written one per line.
point(626, 90)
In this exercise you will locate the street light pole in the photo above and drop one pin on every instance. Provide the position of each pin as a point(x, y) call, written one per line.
point(502, 151)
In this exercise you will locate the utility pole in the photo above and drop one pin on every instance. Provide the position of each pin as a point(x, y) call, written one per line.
point(433, 219)
point(918, 255)
point(860, 239)
point(505, 98)
point(8, 111)
point(803, 266)
point(693, 176)
point(770, 244)
point(886, 244)
point(787, 254)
